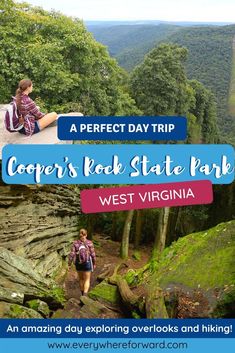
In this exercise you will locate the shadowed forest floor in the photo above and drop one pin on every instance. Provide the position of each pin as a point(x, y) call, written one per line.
point(107, 255)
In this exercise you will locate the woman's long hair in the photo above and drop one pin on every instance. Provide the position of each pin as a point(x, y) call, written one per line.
point(23, 85)
point(83, 231)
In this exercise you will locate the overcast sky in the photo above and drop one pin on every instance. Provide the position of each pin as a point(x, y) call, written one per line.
point(168, 10)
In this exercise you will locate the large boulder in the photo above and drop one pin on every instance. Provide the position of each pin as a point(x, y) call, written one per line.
point(106, 293)
point(199, 269)
point(201, 260)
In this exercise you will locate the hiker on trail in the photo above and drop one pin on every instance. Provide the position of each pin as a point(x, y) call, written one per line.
point(83, 256)
point(32, 120)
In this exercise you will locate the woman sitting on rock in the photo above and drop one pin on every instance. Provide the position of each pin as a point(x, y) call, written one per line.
point(83, 256)
point(31, 118)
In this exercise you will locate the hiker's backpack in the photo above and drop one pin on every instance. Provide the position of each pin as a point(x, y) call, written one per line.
point(83, 253)
point(12, 122)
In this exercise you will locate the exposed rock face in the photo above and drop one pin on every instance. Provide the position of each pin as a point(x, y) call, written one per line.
point(17, 274)
point(49, 265)
point(88, 308)
point(37, 226)
point(11, 296)
point(37, 221)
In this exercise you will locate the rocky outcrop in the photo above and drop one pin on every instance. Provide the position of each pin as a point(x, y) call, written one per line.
point(195, 276)
point(11, 296)
point(39, 222)
point(24, 292)
point(89, 308)
point(15, 311)
point(18, 276)
point(37, 226)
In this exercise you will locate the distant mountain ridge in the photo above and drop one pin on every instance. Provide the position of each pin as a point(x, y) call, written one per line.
point(130, 37)
point(153, 22)
point(210, 62)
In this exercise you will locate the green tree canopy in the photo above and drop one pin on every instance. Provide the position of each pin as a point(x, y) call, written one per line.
point(69, 69)
point(160, 87)
point(204, 110)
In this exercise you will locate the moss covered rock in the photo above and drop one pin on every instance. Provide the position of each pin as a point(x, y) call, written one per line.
point(201, 265)
point(39, 306)
point(17, 275)
point(105, 292)
point(205, 260)
point(16, 311)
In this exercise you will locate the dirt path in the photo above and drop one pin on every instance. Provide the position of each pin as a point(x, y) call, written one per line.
point(191, 303)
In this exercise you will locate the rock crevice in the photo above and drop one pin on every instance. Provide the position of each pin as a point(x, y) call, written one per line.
point(38, 223)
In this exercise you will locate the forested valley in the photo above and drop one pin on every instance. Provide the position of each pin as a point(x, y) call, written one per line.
point(210, 57)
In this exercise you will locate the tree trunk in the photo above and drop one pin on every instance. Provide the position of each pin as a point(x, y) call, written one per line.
point(90, 225)
point(131, 301)
point(114, 226)
point(91, 219)
point(171, 231)
point(126, 234)
point(138, 229)
point(160, 239)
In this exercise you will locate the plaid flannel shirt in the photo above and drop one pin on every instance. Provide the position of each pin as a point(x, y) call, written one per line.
point(30, 113)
